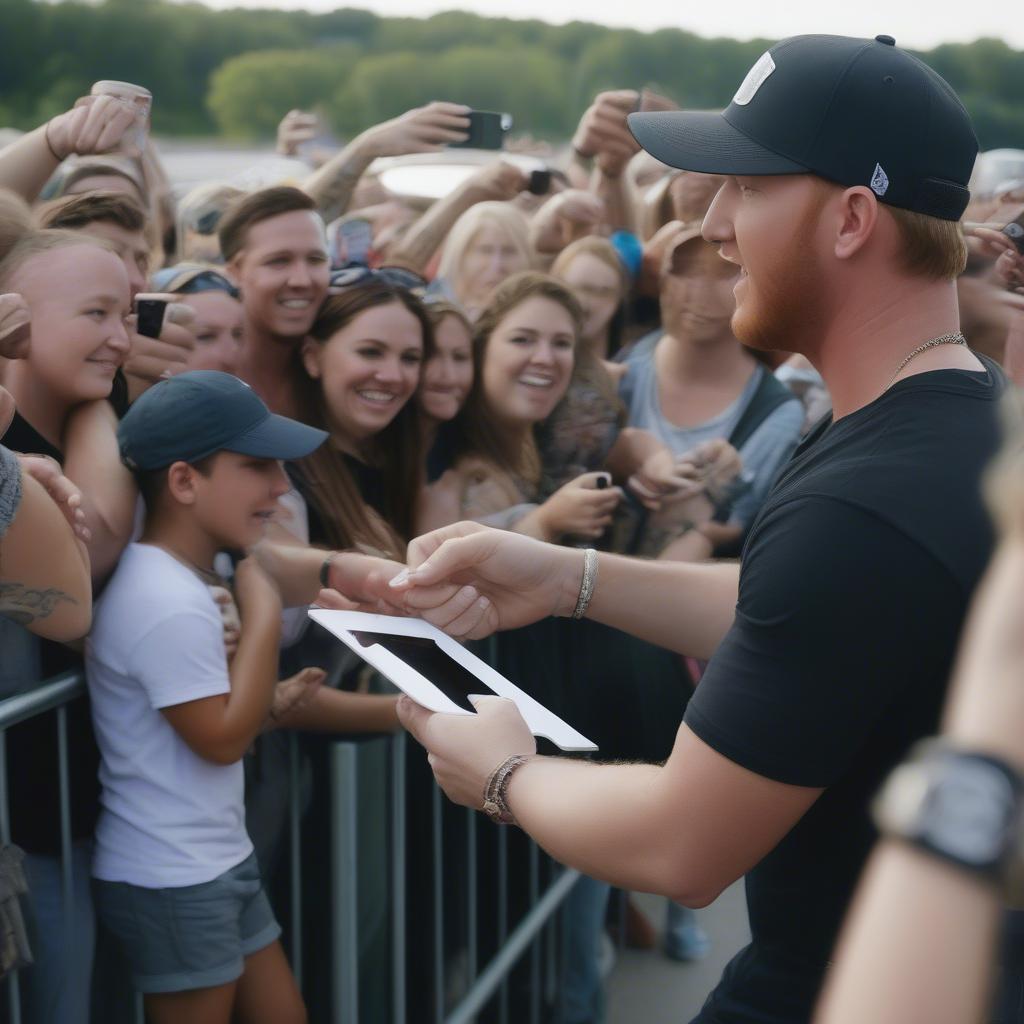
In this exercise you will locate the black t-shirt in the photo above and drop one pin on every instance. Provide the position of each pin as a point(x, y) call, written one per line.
point(854, 584)
point(32, 745)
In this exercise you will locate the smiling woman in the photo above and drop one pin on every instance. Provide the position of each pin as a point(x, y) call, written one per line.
point(524, 353)
point(361, 367)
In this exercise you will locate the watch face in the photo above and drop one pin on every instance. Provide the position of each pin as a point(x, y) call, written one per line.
point(968, 812)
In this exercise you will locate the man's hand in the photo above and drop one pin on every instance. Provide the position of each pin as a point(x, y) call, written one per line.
point(64, 493)
point(421, 130)
point(502, 580)
point(603, 132)
point(464, 750)
point(95, 124)
point(15, 326)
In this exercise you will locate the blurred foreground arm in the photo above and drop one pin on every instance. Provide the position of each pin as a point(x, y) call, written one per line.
point(44, 567)
point(920, 942)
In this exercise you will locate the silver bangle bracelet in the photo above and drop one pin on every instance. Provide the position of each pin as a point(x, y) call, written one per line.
point(587, 586)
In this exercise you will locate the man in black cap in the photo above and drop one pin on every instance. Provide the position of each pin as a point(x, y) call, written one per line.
point(847, 163)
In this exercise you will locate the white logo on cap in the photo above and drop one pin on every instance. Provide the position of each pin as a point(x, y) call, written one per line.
point(879, 181)
point(754, 80)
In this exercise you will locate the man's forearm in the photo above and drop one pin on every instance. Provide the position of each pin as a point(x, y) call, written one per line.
point(606, 820)
point(294, 567)
point(683, 607)
point(614, 192)
point(331, 187)
point(424, 238)
point(919, 945)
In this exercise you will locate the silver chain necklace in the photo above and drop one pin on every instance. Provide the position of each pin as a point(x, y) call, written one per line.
point(953, 338)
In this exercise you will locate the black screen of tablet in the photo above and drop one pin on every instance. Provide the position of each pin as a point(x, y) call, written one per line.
point(455, 681)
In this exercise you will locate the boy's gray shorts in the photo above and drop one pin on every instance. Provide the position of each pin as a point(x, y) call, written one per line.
point(192, 936)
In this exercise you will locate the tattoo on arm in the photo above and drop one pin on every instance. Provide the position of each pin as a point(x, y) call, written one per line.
point(26, 604)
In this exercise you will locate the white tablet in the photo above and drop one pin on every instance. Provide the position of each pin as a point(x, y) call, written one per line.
point(437, 671)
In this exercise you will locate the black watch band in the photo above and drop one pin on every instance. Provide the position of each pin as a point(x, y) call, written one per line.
point(961, 806)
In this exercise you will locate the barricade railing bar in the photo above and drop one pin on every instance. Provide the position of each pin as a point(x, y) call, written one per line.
point(482, 985)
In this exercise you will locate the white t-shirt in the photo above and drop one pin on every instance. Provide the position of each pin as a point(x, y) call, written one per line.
point(169, 817)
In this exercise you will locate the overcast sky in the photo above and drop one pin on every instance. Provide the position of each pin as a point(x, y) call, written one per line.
point(914, 23)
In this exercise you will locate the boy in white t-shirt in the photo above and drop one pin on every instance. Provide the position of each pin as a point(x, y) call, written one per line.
point(176, 879)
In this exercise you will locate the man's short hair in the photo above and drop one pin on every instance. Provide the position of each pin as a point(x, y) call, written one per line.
point(233, 229)
point(930, 247)
point(73, 213)
point(36, 242)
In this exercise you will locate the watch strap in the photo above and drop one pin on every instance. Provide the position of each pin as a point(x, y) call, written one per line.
point(964, 807)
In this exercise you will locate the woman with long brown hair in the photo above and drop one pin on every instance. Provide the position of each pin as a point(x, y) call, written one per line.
point(362, 366)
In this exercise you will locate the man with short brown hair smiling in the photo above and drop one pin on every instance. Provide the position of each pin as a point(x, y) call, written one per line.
point(274, 246)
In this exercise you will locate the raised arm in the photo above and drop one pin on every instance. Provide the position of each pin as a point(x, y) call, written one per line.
point(497, 181)
point(95, 124)
point(422, 130)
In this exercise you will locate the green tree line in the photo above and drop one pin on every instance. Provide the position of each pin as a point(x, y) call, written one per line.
point(236, 72)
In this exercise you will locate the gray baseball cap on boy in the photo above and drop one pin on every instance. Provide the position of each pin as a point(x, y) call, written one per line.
point(193, 415)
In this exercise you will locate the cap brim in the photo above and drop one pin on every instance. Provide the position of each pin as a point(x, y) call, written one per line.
point(277, 437)
point(705, 141)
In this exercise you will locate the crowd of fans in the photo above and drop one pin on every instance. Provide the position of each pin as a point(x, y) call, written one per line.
point(559, 365)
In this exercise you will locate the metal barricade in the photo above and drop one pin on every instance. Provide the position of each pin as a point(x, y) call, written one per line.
point(486, 981)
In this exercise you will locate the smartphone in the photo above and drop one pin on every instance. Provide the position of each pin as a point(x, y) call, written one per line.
point(1015, 232)
point(150, 311)
point(487, 130)
point(455, 681)
point(350, 242)
point(540, 182)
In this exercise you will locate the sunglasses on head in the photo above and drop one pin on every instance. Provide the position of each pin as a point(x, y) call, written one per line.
point(359, 273)
point(191, 281)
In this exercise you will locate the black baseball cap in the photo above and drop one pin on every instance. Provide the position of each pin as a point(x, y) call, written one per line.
point(853, 111)
point(195, 414)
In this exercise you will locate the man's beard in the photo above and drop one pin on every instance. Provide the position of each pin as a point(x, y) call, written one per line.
point(785, 311)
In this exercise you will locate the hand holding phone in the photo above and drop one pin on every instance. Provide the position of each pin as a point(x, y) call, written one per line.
point(150, 309)
point(487, 130)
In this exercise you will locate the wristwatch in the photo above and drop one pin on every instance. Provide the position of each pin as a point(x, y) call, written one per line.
point(962, 806)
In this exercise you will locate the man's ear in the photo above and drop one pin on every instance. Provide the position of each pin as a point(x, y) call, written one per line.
point(311, 358)
point(233, 268)
point(856, 221)
point(181, 483)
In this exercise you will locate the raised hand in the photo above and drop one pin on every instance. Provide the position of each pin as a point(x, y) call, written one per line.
point(421, 130)
point(95, 124)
